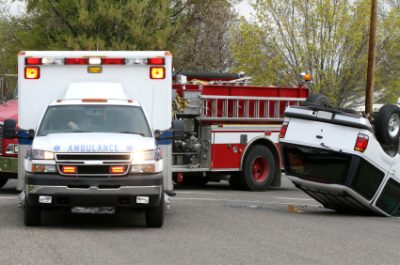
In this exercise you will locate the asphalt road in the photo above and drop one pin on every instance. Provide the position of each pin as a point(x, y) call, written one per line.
point(212, 225)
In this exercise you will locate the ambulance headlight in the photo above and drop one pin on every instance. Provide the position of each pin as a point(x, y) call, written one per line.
point(146, 162)
point(42, 155)
point(146, 155)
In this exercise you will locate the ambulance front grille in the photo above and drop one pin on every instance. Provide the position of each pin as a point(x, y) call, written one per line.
point(90, 157)
point(95, 170)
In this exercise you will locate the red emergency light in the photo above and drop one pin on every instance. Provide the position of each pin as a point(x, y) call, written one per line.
point(112, 60)
point(33, 61)
point(78, 61)
point(156, 61)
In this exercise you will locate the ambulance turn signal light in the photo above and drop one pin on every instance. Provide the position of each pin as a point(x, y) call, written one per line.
point(157, 72)
point(361, 143)
point(32, 72)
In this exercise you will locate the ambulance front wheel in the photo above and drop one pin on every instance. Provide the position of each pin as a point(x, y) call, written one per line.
point(155, 215)
point(3, 182)
point(259, 169)
point(32, 215)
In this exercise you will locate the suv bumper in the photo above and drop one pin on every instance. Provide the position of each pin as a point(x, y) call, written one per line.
point(121, 192)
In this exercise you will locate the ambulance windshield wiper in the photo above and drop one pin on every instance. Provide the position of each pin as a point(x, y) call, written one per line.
point(129, 132)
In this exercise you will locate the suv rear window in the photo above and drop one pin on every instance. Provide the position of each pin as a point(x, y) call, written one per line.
point(316, 164)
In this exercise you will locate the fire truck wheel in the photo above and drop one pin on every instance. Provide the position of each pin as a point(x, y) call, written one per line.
point(317, 99)
point(155, 215)
point(235, 182)
point(3, 182)
point(387, 124)
point(259, 168)
point(31, 215)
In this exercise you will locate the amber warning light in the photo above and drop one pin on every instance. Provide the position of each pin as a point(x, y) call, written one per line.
point(69, 169)
point(32, 72)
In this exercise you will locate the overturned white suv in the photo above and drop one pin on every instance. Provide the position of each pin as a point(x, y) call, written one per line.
point(342, 160)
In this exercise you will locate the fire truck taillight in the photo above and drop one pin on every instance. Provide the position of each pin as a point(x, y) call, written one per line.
point(361, 143)
point(282, 133)
point(156, 61)
point(157, 72)
point(32, 72)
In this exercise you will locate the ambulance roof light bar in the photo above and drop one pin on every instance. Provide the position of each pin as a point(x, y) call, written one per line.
point(94, 61)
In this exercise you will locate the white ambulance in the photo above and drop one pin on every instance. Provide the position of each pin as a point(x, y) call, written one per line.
point(89, 132)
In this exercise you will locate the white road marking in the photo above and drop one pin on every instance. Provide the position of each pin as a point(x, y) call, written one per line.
point(296, 199)
point(244, 201)
point(7, 197)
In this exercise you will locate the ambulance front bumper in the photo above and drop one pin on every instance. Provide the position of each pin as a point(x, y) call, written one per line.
point(122, 192)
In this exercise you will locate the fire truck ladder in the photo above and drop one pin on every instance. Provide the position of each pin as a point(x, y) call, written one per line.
point(232, 108)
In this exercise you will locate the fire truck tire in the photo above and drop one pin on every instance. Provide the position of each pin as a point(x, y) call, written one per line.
point(259, 169)
point(317, 99)
point(155, 215)
point(32, 215)
point(3, 182)
point(235, 183)
point(387, 125)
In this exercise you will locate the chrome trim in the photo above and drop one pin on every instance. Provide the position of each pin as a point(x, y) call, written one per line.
point(93, 190)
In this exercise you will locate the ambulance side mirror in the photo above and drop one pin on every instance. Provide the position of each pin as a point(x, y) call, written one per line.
point(157, 134)
point(9, 129)
point(31, 133)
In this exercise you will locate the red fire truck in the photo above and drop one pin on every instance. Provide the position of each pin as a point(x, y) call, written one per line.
point(231, 129)
point(8, 147)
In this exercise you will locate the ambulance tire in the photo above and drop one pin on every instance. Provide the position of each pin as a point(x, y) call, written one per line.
point(3, 182)
point(32, 215)
point(387, 125)
point(155, 215)
point(259, 169)
point(317, 99)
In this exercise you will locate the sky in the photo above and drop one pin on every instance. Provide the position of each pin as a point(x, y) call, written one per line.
point(244, 8)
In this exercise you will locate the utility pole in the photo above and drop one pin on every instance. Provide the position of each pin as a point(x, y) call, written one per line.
point(369, 94)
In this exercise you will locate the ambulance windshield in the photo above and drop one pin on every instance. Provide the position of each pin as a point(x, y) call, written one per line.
point(94, 118)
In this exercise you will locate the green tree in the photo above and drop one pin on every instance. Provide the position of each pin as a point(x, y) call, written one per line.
point(328, 38)
point(104, 24)
point(203, 43)
point(388, 59)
